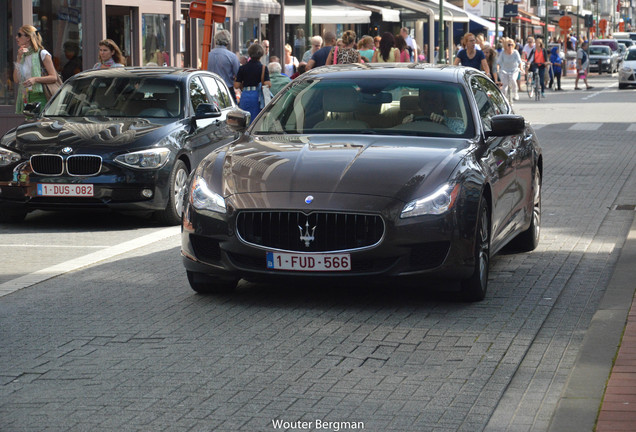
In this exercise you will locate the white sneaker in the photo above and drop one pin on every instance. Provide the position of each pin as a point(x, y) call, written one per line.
point(515, 97)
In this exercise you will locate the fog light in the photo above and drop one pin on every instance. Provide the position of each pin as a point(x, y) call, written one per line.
point(146, 193)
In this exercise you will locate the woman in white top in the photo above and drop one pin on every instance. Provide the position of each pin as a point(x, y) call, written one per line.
point(509, 63)
point(28, 73)
point(291, 62)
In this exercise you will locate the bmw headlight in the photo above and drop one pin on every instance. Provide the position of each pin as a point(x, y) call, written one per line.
point(202, 198)
point(145, 159)
point(436, 203)
point(8, 157)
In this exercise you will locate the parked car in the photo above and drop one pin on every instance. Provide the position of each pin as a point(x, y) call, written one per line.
point(617, 57)
point(602, 59)
point(628, 42)
point(124, 139)
point(627, 72)
point(367, 171)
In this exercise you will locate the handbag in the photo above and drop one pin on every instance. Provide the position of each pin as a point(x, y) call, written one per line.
point(265, 94)
point(50, 88)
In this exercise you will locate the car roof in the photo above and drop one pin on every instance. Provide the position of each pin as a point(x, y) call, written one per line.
point(171, 73)
point(425, 71)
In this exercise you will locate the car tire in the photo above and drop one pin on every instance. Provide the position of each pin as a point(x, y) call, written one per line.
point(528, 240)
point(171, 215)
point(622, 86)
point(12, 216)
point(474, 288)
point(206, 284)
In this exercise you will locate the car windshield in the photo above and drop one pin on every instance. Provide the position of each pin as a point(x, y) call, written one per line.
point(599, 50)
point(369, 106)
point(117, 97)
point(630, 55)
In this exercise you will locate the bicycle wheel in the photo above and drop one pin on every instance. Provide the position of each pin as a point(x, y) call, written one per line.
point(537, 87)
point(530, 86)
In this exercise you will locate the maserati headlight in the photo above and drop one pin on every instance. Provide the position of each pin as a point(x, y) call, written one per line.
point(145, 159)
point(436, 203)
point(202, 198)
point(8, 157)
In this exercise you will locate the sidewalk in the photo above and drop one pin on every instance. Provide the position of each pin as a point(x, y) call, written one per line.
point(602, 385)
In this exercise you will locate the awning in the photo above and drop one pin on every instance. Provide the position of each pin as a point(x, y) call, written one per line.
point(333, 14)
point(528, 17)
point(254, 8)
point(425, 7)
point(388, 15)
point(472, 17)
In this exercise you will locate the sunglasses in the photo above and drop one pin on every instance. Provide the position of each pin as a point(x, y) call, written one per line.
point(511, 44)
point(20, 34)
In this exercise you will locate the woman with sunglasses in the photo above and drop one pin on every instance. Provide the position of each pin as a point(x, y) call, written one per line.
point(509, 63)
point(28, 73)
point(110, 55)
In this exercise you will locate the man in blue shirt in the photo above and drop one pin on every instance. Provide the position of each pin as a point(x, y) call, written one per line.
point(222, 61)
point(320, 57)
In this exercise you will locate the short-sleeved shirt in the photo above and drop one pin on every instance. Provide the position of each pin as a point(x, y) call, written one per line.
point(474, 62)
point(250, 73)
point(584, 58)
point(320, 56)
point(223, 62)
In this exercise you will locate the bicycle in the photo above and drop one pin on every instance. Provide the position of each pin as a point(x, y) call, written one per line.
point(533, 86)
point(508, 80)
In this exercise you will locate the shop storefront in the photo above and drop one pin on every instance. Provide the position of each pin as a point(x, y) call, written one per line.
point(148, 32)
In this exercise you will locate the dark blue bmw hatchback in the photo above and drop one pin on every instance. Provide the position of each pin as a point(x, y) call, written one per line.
point(124, 139)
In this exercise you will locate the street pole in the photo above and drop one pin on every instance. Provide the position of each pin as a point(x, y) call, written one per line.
point(441, 56)
point(308, 26)
point(496, 22)
point(545, 28)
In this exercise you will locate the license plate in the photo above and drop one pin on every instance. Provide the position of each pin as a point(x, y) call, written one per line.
point(65, 190)
point(308, 262)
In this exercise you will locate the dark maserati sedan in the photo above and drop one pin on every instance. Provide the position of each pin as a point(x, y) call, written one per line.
point(124, 139)
point(358, 171)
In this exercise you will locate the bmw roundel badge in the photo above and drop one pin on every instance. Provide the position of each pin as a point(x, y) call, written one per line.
point(67, 150)
point(309, 199)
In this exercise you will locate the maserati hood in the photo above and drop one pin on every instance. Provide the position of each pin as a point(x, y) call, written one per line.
point(388, 166)
point(82, 134)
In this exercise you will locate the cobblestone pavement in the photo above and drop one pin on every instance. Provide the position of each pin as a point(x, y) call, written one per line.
point(125, 344)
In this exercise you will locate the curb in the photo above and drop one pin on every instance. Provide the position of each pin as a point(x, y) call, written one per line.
point(582, 397)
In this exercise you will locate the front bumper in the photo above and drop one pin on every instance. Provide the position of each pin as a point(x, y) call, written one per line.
point(627, 77)
point(118, 189)
point(425, 245)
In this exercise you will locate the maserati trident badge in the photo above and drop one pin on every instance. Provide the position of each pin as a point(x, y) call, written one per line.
point(306, 237)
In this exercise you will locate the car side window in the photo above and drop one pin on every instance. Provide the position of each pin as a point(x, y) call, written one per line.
point(197, 93)
point(218, 92)
point(490, 102)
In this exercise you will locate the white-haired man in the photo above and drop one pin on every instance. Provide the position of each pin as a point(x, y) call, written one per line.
point(222, 61)
point(316, 44)
point(410, 42)
point(276, 77)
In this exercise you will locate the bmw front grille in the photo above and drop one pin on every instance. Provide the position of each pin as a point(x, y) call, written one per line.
point(76, 165)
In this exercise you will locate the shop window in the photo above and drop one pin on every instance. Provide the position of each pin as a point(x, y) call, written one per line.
point(156, 39)
point(7, 55)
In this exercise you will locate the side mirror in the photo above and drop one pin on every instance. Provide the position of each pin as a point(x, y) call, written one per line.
point(238, 120)
point(32, 109)
point(506, 125)
point(206, 111)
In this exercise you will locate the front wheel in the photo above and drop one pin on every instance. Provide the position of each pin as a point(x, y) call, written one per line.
point(12, 216)
point(474, 288)
point(171, 215)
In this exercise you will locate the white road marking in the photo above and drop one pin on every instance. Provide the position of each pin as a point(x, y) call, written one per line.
point(586, 126)
point(39, 246)
point(631, 128)
point(84, 261)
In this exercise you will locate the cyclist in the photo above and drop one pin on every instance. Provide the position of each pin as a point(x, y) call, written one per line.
point(537, 61)
point(509, 63)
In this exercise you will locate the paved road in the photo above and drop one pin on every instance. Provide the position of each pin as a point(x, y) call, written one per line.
point(124, 344)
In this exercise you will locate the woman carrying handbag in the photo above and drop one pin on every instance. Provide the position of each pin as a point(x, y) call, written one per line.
point(33, 68)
